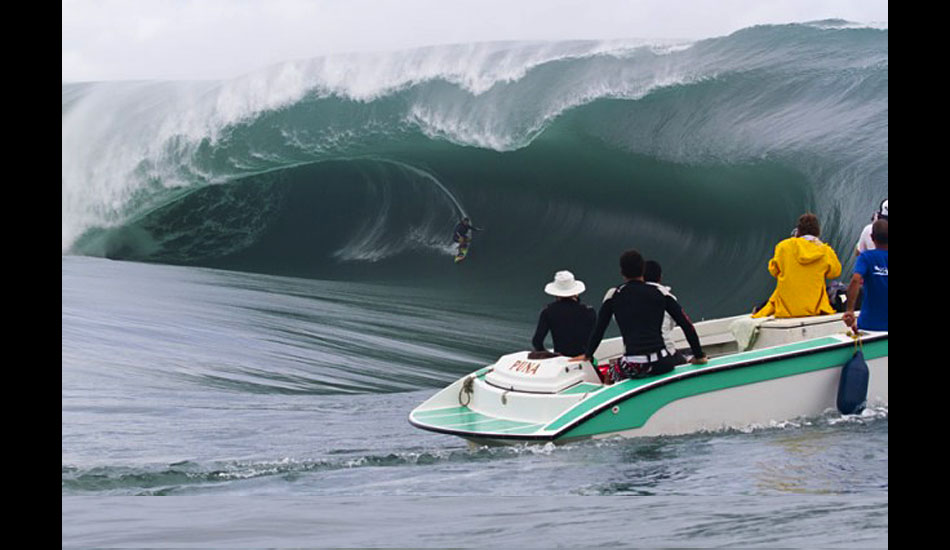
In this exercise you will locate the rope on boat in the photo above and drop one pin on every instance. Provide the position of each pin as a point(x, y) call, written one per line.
point(468, 387)
point(855, 335)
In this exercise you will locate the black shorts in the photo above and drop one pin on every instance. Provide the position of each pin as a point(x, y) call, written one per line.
point(624, 369)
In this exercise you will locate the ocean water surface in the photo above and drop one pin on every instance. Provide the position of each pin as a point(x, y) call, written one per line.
point(228, 388)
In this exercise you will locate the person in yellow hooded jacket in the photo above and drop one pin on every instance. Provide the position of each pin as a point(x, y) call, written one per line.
point(800, 266)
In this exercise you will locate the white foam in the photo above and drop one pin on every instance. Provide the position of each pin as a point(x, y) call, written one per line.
point(126, 142)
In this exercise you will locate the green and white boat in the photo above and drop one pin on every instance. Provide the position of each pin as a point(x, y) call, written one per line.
point(790, 369)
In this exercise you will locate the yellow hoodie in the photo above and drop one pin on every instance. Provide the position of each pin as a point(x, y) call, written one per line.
point(801, 265)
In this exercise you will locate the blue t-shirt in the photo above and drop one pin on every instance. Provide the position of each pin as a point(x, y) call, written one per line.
point(872, 266)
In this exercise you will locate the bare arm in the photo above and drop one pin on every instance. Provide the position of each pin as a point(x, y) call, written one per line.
point(853, 288)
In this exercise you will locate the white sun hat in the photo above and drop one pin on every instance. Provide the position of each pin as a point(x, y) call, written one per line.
point(564, 285)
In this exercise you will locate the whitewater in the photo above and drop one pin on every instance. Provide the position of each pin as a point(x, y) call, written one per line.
point(258, 286)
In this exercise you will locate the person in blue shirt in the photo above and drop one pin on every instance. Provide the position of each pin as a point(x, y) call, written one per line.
point(870, 271)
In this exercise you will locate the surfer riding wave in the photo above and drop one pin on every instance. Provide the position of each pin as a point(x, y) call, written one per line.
point(463, 237)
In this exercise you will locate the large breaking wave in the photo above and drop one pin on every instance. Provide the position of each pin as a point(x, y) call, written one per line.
point(700, 154)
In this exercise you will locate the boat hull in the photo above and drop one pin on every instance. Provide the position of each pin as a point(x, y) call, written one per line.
point(755, 388)
point(749, 405)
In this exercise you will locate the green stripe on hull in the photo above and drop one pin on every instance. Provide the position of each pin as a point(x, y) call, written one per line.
point(632, 416)
point(440, 412)
point(621, 388)
point(463, 418)
point(582, 388)
point(523, 430)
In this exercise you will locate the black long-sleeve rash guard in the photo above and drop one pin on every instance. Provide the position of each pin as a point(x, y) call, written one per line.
point(638, 308)
point(462, 230)
point(569, 322)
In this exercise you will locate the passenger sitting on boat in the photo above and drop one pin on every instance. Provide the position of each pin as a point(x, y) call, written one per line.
point(870, 271)
point(653, 274)
point(639, 308)
point(800, 265)
point(568, 320)
point(865, 242)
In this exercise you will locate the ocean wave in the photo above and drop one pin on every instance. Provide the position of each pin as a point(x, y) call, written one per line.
point(395, 146)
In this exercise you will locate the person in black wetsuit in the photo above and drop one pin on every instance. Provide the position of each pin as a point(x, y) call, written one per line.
point(639, 308)
point(568, 320)
point(462, 229)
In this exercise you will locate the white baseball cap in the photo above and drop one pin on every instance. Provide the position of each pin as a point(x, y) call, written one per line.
point(564, 285)
point(883, 210)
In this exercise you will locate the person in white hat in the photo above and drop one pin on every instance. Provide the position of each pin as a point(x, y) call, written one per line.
point(864, 241)
point(567, 319)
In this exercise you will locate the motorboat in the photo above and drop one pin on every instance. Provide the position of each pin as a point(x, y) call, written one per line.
point(759, 372)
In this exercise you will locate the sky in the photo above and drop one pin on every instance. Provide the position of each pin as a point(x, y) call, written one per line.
point(215, 39)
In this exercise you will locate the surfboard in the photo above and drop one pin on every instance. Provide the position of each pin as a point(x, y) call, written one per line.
point(462, 252)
